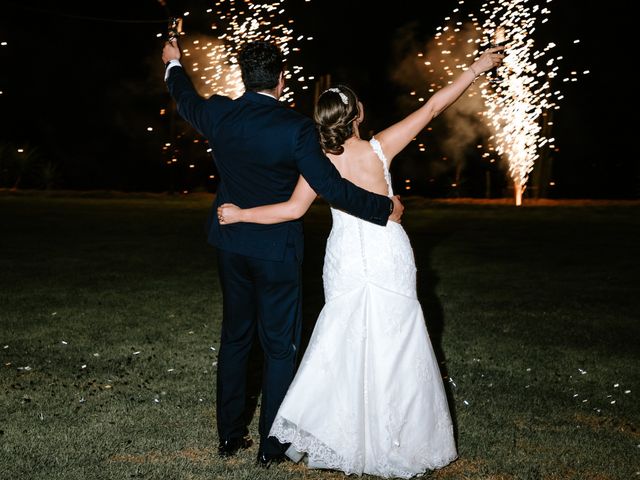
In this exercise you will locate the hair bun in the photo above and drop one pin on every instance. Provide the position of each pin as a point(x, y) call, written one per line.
point(335, 111)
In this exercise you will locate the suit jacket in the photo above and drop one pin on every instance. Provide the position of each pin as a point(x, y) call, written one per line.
point(260, 147)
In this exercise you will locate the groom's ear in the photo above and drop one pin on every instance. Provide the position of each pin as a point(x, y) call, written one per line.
point(280, 86)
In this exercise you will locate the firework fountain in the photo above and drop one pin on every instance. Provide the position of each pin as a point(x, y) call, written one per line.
point(518, 95)
point(520, 91)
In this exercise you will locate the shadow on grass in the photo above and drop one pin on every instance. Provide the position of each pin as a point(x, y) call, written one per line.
point(427, 283)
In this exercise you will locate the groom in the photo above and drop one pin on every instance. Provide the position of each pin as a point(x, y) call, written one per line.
point(260, 147)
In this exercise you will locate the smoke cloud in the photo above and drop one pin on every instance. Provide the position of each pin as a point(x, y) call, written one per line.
point(425, 67)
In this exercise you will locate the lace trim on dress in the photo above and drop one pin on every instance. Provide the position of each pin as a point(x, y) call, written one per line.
point(317, 452)
point(319, 455)
point(375, 144)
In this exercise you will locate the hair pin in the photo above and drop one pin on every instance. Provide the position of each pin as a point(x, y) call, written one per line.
point(343, 97)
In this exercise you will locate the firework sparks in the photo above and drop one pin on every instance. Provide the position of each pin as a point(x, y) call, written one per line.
point(238, 22)
point(521, 88)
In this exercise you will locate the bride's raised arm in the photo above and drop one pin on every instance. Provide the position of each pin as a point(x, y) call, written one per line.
point(299, 202)
point(394, 138)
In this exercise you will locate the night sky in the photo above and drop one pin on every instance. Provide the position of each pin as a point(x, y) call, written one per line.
point(83, 80)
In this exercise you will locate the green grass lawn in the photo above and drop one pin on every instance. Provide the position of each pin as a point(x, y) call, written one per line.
point(109, 327)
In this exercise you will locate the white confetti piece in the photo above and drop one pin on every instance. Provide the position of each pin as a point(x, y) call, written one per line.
point(156, 400)
point(7, 346)
point(64, 342)
point(613, 402)
point(627, 391)
point(84, 366)
point(82, 400)
point(582, 372)
point(190, 332)
point(27, 368)
point(96, 354)
point(465, 402)
point(171, 370)
point(616, 385)
point(214, 364)
point(53, 314)
point(213, 348)
point(528, 369)
point(136, 353)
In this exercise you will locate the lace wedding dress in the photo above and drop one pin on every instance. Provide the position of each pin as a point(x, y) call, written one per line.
point(368, 396)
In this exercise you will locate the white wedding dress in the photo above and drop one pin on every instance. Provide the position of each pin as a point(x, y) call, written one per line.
point(368, 396)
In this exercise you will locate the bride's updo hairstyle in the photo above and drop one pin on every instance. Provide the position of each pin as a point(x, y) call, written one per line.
point(334, 114)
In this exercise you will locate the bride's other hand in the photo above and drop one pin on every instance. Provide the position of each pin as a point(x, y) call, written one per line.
point(398, 209)
point(229, 213)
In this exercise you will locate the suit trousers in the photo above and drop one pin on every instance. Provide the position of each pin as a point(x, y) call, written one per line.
point(266, 296)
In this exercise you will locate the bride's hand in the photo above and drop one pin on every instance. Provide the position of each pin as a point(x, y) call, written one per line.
point(491, 57)
point(229, 213)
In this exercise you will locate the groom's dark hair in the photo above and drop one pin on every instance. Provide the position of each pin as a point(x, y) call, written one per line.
point(260, 64)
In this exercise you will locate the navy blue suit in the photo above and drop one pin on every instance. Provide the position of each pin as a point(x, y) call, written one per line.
point(260, 147)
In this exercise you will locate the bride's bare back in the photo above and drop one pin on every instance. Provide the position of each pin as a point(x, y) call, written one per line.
point(360, 165)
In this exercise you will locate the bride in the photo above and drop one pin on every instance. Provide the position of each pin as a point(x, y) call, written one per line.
point(368, 396)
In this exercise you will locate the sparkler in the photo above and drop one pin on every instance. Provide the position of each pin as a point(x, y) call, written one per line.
point(175, 28)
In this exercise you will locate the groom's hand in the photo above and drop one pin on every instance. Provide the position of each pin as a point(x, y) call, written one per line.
point(171, 51)
point(398, 209)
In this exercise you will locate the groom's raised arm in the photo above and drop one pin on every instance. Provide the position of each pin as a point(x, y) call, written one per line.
point(325, 179)
point(191, 106)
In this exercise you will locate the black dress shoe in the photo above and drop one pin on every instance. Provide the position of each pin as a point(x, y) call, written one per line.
point(265, 460)
point(230, 446)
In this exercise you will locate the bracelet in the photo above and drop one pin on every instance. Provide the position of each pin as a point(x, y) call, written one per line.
point(475, 75)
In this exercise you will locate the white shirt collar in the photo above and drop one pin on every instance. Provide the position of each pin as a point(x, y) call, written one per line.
point(267, 95)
